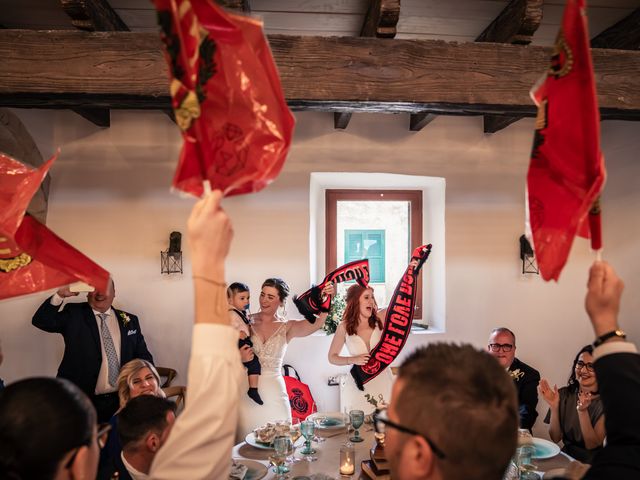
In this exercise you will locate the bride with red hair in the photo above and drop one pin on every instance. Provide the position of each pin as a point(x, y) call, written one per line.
point(360, 330)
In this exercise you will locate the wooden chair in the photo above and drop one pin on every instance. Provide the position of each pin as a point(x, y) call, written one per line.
point(168, 373)
point(179, 393)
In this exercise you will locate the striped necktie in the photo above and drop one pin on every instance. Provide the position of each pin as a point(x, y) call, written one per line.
point(110, 349)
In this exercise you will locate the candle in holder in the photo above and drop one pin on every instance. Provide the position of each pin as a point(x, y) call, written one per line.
point(347, 459)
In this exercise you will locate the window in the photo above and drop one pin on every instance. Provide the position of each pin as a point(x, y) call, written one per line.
point(381, 225)
point(369, 244)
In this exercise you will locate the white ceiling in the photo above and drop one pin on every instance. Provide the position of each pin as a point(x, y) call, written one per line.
point(451, 20)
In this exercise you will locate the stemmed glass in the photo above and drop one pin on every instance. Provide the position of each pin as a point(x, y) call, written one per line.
point(308, 428)
point(295, 434)
point(357, 419)
point(283, 447)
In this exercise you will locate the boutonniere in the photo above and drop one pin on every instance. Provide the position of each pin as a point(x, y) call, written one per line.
point(125, 318)
point(516, 374)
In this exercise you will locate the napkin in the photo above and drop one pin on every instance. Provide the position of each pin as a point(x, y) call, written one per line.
point(238, 471)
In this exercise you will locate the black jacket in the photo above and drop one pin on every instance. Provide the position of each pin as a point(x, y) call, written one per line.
point(82, 345)
point(526, 380)
point(619, 385)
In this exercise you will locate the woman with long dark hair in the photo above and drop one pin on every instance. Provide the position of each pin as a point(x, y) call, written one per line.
point(576, 414)
point(271, 332)
point(360, 330)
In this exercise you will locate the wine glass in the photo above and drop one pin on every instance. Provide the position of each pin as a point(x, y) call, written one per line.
point(308, 428)
point(277, 461)
point(357, 419)
point(295, 434)
point(283, 448)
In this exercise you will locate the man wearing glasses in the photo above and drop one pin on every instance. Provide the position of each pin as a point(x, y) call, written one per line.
point(453, 415)
point(502, 345)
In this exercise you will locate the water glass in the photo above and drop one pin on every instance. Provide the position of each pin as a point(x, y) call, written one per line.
point(308, 429)
point(357, 419)
point(319, 420)
point(283, 447)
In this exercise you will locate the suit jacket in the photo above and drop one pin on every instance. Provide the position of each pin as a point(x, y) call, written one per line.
point(113, 469)
point(82, 344)
point(619, 385)
point(526, 380)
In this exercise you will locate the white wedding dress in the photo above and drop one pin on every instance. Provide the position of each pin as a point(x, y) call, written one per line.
point(270, 386)
point(379, 388)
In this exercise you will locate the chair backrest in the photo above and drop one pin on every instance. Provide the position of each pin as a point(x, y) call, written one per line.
point(168, 373)
point(179, 393)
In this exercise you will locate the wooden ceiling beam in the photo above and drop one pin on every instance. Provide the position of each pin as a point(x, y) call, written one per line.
point(93, 15)
point(239, 5)
point(341, 120)
point(515, 24)
point(417, 121)
point(624, 35)
point(381, 19)
point(65, 69)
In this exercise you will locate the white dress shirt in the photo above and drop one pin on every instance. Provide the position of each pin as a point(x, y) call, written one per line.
point(199, 445)
point(102, 385)
point(135, 474)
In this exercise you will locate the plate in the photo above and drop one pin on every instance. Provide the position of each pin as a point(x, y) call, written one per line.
point(332, 421)
point(255, 470)
point(544, 448)
point(253, 441)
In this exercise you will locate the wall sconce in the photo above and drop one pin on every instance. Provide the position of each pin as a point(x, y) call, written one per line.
point(171, 259)
point(527, 256)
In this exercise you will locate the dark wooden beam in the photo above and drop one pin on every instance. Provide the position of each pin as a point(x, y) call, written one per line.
point(624, 35)
point(100, 117)
point(93, 15)
point(341, 120)
point(417, 121)
point(345, 74)
point(495, 123)
point(240, 5)
point(381, 19)
point(516, 23)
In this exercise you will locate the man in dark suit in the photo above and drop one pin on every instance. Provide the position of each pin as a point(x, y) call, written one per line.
point(617, 366)
point(143, 426)
point(502, 345)
point(98, 340)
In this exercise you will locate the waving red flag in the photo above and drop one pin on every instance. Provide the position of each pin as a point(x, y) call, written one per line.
point(32, 258)
point(566, 173)
point(226, 96)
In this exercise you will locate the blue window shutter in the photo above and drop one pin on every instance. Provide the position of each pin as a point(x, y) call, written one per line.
point(367, 244)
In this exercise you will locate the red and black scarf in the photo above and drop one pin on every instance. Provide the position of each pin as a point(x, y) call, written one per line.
point(397, 323)
point(311, 303)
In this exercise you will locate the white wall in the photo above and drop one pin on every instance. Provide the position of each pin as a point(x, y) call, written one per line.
point(110, 198)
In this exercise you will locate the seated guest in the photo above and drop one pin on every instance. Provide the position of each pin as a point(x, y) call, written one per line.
point(48, 426)
point(575, 412)
point(453, 415)
point(138, 377)
point(502, 345)
point(143, 427)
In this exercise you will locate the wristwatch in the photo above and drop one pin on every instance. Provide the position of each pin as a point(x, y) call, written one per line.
point(603, 338)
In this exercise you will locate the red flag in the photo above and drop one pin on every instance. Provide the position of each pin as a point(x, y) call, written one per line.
point(32, 258)
point(566, 173)
point(227, 98)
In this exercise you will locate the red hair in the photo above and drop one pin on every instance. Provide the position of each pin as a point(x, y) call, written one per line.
point(351, 315)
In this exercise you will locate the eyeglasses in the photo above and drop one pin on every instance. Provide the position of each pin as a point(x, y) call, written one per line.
point(580, 365)
point(381, 421)
point(496, 347)
point(101, 437)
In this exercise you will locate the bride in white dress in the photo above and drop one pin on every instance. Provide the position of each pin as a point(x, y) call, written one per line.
point(360, 330)
point(270, 334)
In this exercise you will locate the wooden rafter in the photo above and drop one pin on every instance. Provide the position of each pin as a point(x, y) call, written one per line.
point(93, 15)
point(341, 120)
point(240, 5)
point(624, 35)
point(381, 19)
point(515, 24)
point(417, 121)
point(344, 74)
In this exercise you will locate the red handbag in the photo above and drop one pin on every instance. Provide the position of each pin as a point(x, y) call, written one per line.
point(300, 398)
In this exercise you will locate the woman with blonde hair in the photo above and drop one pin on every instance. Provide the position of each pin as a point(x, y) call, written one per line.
point(137, 377)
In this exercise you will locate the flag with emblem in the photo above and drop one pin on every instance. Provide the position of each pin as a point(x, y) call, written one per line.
point(566, 172)
point(226, 97)
point(32, 258)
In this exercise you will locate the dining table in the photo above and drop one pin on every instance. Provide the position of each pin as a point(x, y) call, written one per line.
point(327, 464)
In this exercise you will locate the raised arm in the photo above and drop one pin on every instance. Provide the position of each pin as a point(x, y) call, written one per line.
point(200, 442)
point(48, 317)
point(303, 328)
point(552, 397)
